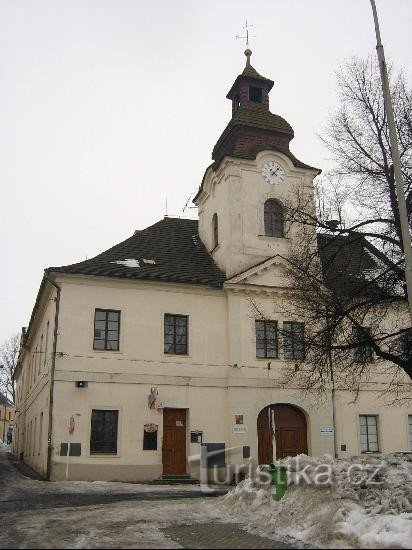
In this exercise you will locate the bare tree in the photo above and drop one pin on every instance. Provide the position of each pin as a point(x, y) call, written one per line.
point(348, 272)
point(9, 353)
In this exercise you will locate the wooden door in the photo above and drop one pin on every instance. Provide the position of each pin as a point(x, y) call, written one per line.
point(264, 437)
point(290, 432)
point(174, 442)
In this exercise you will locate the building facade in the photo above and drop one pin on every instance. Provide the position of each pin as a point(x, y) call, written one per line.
point(169, 340)
point(6, 417)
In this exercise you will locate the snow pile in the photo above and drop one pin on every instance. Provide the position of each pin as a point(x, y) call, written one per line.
point(362, 502)
point(247, 496)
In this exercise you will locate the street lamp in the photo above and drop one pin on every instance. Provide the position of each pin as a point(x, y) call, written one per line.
point(400, 190)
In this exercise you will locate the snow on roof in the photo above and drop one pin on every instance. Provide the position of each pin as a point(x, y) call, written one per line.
point(132, 262)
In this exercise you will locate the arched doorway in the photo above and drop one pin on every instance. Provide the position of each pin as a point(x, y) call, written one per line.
point(290, 432)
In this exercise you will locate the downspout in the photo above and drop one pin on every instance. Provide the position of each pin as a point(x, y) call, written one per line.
point(335, 439)
point(332, 379)
point(52, 369)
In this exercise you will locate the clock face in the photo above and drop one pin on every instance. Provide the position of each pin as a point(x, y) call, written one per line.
point(273, 173)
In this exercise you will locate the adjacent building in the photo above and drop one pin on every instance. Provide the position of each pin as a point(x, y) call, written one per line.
point(6, 417)
point(169, 340)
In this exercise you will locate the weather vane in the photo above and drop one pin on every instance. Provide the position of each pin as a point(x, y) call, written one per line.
point(246, 27)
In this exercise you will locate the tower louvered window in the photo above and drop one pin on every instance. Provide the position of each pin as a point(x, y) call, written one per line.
point(273, 215)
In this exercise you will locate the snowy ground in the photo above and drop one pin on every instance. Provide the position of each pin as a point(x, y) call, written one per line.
point(38, 514)
point(362, 503)
point(120, 525)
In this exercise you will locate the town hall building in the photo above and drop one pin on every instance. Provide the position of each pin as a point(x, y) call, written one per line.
point(137, 358)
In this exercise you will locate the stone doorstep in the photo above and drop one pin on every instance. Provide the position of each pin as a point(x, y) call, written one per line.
point(175, 480)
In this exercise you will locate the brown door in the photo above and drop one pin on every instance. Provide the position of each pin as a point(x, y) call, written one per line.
point(174, 441)
point(290, 432)
point(264, 437)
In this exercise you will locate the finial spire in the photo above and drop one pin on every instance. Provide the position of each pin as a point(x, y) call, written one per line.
point(248, 53)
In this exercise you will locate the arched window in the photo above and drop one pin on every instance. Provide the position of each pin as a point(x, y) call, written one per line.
point(273, 214)
point(215, 226)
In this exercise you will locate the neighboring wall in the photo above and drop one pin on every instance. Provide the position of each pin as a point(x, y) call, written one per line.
point(30, 437)
point(6, 419)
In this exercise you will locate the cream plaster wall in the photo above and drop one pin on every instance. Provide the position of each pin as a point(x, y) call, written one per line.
point(30, 437)
point(237, 193)
point(392, 422)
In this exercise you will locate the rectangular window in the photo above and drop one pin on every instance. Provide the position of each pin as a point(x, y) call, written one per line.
point(41, 354)
point(175, 334)
point(255, 94)
point(293, 340)
point(150, 439)
point(266, 339)
point(410, 431)
point(363, 352)
point(106, 329)
point(368, 425)
point(103, 435)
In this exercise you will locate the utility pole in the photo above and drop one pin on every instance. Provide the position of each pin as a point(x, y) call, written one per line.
point(400, 189)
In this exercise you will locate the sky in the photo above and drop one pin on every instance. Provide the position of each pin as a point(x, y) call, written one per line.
point(108, 108)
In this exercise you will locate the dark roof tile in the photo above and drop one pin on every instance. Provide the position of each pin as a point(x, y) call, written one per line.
point(173, 244)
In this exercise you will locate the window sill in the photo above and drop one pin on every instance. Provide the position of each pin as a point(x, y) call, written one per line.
point(370, 452)
point(273, 237)
point(104, 455)
point(107, 351)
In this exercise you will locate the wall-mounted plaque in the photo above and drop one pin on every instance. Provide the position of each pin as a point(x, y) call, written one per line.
point(326, 430)
point(239, 429)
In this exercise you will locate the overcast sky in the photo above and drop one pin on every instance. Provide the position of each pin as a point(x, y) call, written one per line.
point(107, 107)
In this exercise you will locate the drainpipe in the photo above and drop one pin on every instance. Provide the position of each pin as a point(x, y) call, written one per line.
point(332, 379)
point(52, 369)
point(335, 439)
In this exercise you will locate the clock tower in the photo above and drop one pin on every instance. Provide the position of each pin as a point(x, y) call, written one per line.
point(244, 192)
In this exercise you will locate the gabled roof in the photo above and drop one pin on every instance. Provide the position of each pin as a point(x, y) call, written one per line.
point(346, 262)
point(243, 275)
point(5, 401)
point(169, 251)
